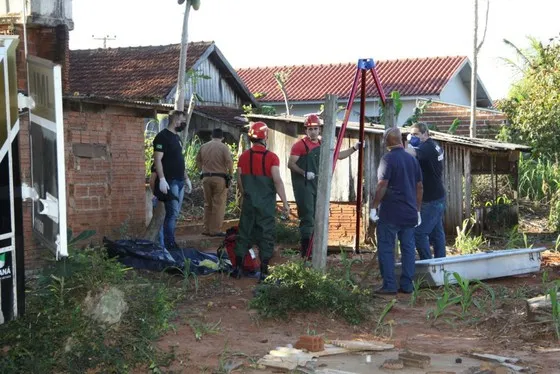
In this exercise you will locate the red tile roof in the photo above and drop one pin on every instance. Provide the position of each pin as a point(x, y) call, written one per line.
point(411, 77)
point(134, 72)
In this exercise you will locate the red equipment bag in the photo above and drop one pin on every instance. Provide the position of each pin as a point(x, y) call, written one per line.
point(249, 264)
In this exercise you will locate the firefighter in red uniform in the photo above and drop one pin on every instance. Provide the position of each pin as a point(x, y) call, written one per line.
point(259, 180)
point(304, 165)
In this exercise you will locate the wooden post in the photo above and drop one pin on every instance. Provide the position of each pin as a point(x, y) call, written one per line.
point(390, 114)
point(321, 231)
point(468, 183)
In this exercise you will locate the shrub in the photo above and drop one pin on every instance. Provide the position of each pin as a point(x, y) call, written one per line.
point(554, 215)
point(295, 287)
point(55, 336)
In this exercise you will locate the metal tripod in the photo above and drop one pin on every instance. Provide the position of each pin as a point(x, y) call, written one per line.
point(364, 65)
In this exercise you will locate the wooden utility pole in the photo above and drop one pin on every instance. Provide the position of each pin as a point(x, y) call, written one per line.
point(474, 70)
point(180, 94)
point(321, 231)
point(159, 214)
point(389, 110)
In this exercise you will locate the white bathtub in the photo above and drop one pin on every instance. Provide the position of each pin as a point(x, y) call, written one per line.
point(484, 265)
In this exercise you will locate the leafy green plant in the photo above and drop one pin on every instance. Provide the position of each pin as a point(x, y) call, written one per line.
point(383, 328)
point(347, 262)
point(200, 328)
point(419, 109)
point(554, 214)
point(454, 126)
point(553, 294)
point(467, 289)
point(539, 179)
point(465, 241)
point(148, 154)
point(55, 336)
point(295, 287)
point(287, 232)
point(191, 150)
point(418, 291)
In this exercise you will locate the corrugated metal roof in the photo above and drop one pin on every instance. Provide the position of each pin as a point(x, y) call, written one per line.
point(439, 136)
point(411, 77)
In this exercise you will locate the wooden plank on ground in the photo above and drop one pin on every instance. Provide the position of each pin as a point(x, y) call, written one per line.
point(358, 345)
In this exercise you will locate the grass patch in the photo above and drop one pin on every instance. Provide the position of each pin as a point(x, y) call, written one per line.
point(55, 335)
point(286, 232)
point(295, 287)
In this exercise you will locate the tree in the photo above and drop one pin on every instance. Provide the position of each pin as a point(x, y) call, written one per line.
point(474, 70)
point(532, 104)
point(282, 79)
point(159, 214)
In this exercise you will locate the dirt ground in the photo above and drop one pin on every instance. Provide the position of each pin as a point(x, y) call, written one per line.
point(236, 334)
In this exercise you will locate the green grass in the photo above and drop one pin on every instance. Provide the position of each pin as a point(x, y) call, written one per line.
point(55, 335)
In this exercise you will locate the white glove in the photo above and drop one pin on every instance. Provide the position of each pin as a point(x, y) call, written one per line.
point(357, 146)
point(188, 186)
point(419, 220)
point(373, 217)
point(309, 175)
point(163, 186)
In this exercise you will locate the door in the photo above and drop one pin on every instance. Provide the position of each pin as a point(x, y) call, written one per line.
point(47, 155)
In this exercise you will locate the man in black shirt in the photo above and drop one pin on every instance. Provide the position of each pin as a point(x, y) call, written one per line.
point(430, 157)
point(170, 168)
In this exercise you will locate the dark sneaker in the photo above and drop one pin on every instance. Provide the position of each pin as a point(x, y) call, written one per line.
point(404, 291)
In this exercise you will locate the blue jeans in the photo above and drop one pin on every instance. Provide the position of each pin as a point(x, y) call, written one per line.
point(172, 210)
point(386, 234)
point(160, 234)
point(431, 230)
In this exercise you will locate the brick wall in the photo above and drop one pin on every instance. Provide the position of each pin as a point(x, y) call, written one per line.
point(50, 43)
point(488, 122)
point(342, 222)
point(104, 157)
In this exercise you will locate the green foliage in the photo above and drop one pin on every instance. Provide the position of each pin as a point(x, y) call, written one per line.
point(553, 294)
point(383, 328)
point(191, 150)
point(554, 215)
point(418, 291)
point(517, 239)
point(465, 241)
point(462, 295)
point(55, 335)
point(420, 108)
point(294, 287)
point(396, 96)
point(397, 102)
point(266, 110)
point(454, 126)
point(532, 105)
point(148, 154)
point(286, 232)
point(538, 178)
point(200, 328)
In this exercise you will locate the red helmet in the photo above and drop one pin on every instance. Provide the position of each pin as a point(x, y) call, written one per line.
point(312, 120)
point(258, 130)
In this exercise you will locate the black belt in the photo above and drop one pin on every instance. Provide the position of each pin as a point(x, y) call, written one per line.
point(223, 175)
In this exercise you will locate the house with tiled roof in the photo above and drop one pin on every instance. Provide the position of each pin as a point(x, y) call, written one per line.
point(149, 74)
point(444, 79)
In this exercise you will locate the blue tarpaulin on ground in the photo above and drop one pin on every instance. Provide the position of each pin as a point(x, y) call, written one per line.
point(145, 254)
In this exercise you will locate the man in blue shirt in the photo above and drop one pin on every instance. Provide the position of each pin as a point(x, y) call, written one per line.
point(430, 158)
point(398, 197)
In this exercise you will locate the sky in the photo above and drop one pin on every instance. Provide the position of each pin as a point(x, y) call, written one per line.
point(254, 33)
